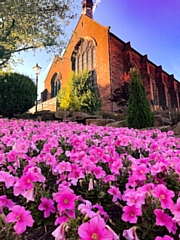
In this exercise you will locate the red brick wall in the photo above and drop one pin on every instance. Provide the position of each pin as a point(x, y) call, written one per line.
point(86, 27)
point(113, 59)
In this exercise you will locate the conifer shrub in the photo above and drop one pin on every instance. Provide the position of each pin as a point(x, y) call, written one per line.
point(79, 94)
point(139, 114)
point(17, 94)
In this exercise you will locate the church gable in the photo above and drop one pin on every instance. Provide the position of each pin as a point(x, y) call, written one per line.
point(86, 50)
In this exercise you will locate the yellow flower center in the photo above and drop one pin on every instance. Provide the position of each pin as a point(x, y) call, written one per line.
point(65, 201)
point(162, 196)
point(95, 236)
point(132, 214)
point(28, 181)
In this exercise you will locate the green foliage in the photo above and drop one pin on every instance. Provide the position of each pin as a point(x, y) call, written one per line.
point(121, 95)
point(17, 93)
point(139, 114)
point(79, 94)
point(32, 24)
point(66, 96)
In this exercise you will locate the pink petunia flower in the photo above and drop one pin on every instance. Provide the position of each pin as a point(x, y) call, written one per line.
point(50, 159)
point(7, 178)
point(166, 237)
point(12, 156)
point(139, 172)
point(27, 180)
point(63, 167)
point(65, 216)
point(18, 188)
point(131, 214)
point(130, 234)
point(115, 236)
point(115, 192)
point(164, 195)
point(109, 178)
point(59, 232)
point(46, 205)
point(86, 208)
point(74, 176)
point(175, 209)
point(163, 219)
point(37, 172)
point(47, 147)
point(21, 146)
point(134, 197)
point(94, 229)
point(5, 202)
point(98, 172)
point(65, 200)
point(116, 166)
point(21, 217)
point(98, 152)
point(28, 194)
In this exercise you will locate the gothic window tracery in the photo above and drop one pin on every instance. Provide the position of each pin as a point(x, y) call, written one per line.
point(55, 84)
point(84, 57)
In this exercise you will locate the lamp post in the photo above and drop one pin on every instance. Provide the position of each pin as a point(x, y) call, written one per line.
point(37, 70)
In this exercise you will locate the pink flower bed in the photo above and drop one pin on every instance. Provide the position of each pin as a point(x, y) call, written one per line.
point(88, 182)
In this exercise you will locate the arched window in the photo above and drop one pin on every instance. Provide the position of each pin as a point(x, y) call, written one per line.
point(84, 57)
point(55, 84)
point(168, 98)
point(155, 93)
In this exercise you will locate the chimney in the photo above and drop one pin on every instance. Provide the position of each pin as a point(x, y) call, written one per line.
point(87, 8)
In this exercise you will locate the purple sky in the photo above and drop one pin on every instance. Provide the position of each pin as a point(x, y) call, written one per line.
point(152, 27)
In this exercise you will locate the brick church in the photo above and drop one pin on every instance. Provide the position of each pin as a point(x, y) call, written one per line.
point(94, 48)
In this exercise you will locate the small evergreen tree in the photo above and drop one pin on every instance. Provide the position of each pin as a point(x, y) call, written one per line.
point(17, 93)
point(139, 114)
point(79, 94)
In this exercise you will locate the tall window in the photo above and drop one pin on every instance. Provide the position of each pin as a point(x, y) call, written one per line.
point(84, 57)
point(154, 91)
point(93, 78)
point(55, 84)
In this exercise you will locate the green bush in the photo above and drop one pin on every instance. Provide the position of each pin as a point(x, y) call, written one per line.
point(66, 96)
point(139, 114)
point(79, 94)
point(17, 93)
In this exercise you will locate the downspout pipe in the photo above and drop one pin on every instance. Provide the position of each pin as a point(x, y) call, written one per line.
point(110, 69)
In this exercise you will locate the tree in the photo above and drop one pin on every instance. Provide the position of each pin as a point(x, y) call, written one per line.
point(139, 114)
point(121, 95)
point(120, 91)
point(80, 94)
point(17, 94)
point(31, 24)
point(67, 97)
